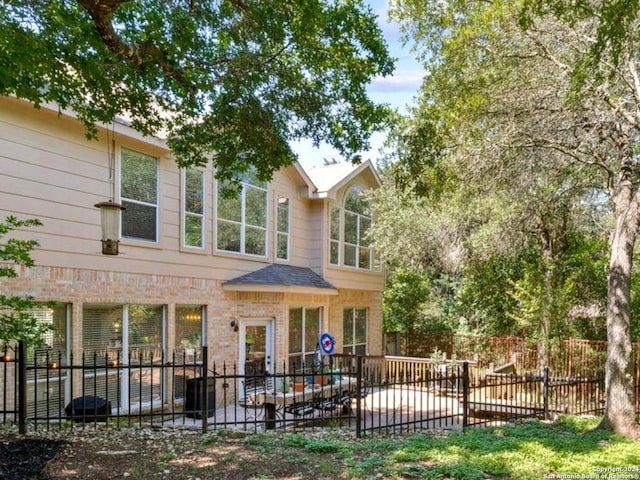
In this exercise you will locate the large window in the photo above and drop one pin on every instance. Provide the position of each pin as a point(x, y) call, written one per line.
point(139, 195)
point(355, 331)
point(242, 218)
point(115, 334)
point(193, 220)
point(282, 226)
point(348, 230)
point(357, 251)
point(304, 328)
point(334, 246)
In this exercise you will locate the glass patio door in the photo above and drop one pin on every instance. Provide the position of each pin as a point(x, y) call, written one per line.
point(256, 347)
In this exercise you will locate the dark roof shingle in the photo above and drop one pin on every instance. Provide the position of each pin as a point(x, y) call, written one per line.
point(282, 275)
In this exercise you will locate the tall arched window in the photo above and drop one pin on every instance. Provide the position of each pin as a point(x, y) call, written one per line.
point(357, 221)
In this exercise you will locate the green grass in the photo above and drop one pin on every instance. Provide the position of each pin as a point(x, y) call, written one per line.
point(526, 451)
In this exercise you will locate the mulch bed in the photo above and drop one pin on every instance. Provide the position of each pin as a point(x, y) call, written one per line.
point(25, 458)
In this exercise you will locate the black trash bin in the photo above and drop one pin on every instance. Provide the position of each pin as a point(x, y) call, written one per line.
point(88, 409)
point(193, 397)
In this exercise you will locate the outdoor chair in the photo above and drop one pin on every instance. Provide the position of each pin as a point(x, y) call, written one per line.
point(251, 386)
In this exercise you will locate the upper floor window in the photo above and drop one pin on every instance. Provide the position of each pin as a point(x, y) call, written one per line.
point(334, 242)
point(282, 227)
point(139, 195)
point(242, 218)
point(349, 228)
point(193, 220)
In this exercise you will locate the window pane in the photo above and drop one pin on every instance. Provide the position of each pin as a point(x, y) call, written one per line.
point(194, 191)
point(361, 326)
point(139, 221)
point(230, 208)
point(364, 259)
point(335, 223)
point(193, 231)
point(256, 207)
point(350, 255)
point(139, 176)
point(145, 325)
point(101, 329)
point(251, 178)
point(334, 255)
point(56, 317)
point(355, 201)
point(365, 225)
point(312, 329)
point(228, 236)
point(347, 329)
point(283, 246)
point(350, 227)
point(255, 241)
point(188, 326)
point(295, 330)
point(283, 215)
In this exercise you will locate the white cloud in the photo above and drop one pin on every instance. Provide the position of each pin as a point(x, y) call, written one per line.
point(401, 81)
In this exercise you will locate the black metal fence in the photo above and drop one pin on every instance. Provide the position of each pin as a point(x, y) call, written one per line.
point(365, 393)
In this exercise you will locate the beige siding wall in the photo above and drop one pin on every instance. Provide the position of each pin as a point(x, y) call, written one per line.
point(49, 170)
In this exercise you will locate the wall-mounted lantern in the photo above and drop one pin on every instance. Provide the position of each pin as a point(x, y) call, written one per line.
point(110, 218)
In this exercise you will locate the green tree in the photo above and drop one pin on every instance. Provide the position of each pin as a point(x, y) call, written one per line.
point(510, 104)
point(235, 80)
point(16, 320)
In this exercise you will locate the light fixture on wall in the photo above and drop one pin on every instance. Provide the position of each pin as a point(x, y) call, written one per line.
point(234, 325)
point(110, 221)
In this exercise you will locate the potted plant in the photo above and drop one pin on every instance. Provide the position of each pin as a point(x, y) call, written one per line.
point(284, 385)
point(321, 374)
point(298, 384)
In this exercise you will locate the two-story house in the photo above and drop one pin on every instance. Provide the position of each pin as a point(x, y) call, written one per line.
point(255, 277)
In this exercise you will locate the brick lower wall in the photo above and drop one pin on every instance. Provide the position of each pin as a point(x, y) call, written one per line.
point(77, 287)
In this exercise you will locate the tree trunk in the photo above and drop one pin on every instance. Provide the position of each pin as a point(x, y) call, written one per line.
point(620, 413)
point(545, 320)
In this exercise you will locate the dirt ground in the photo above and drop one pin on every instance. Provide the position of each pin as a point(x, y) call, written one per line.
point(148, 454)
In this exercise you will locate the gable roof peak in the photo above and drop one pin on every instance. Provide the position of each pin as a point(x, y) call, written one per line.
point(329, 178)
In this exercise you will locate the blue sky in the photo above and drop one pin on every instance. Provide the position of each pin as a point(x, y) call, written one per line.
point(397, 90)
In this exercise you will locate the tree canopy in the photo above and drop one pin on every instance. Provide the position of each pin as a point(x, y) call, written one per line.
point(237, 79)
point(515, 128)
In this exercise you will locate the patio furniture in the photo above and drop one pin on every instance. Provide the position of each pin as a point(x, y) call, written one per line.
point(302, 403)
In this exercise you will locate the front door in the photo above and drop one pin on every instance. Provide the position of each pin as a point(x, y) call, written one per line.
point(256, 347)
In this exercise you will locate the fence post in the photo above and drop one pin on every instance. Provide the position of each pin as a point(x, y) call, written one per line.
point(465, 394)
point(359, 396)
point(22, 387)
point(545, 392)
point(204, 395)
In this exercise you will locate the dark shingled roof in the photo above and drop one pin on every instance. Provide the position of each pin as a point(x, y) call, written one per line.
point(282, 275)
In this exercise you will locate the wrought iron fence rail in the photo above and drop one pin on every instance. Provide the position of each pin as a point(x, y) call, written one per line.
point(48, 392)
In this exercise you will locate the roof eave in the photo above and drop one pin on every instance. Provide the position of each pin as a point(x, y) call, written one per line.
point(268, 288)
